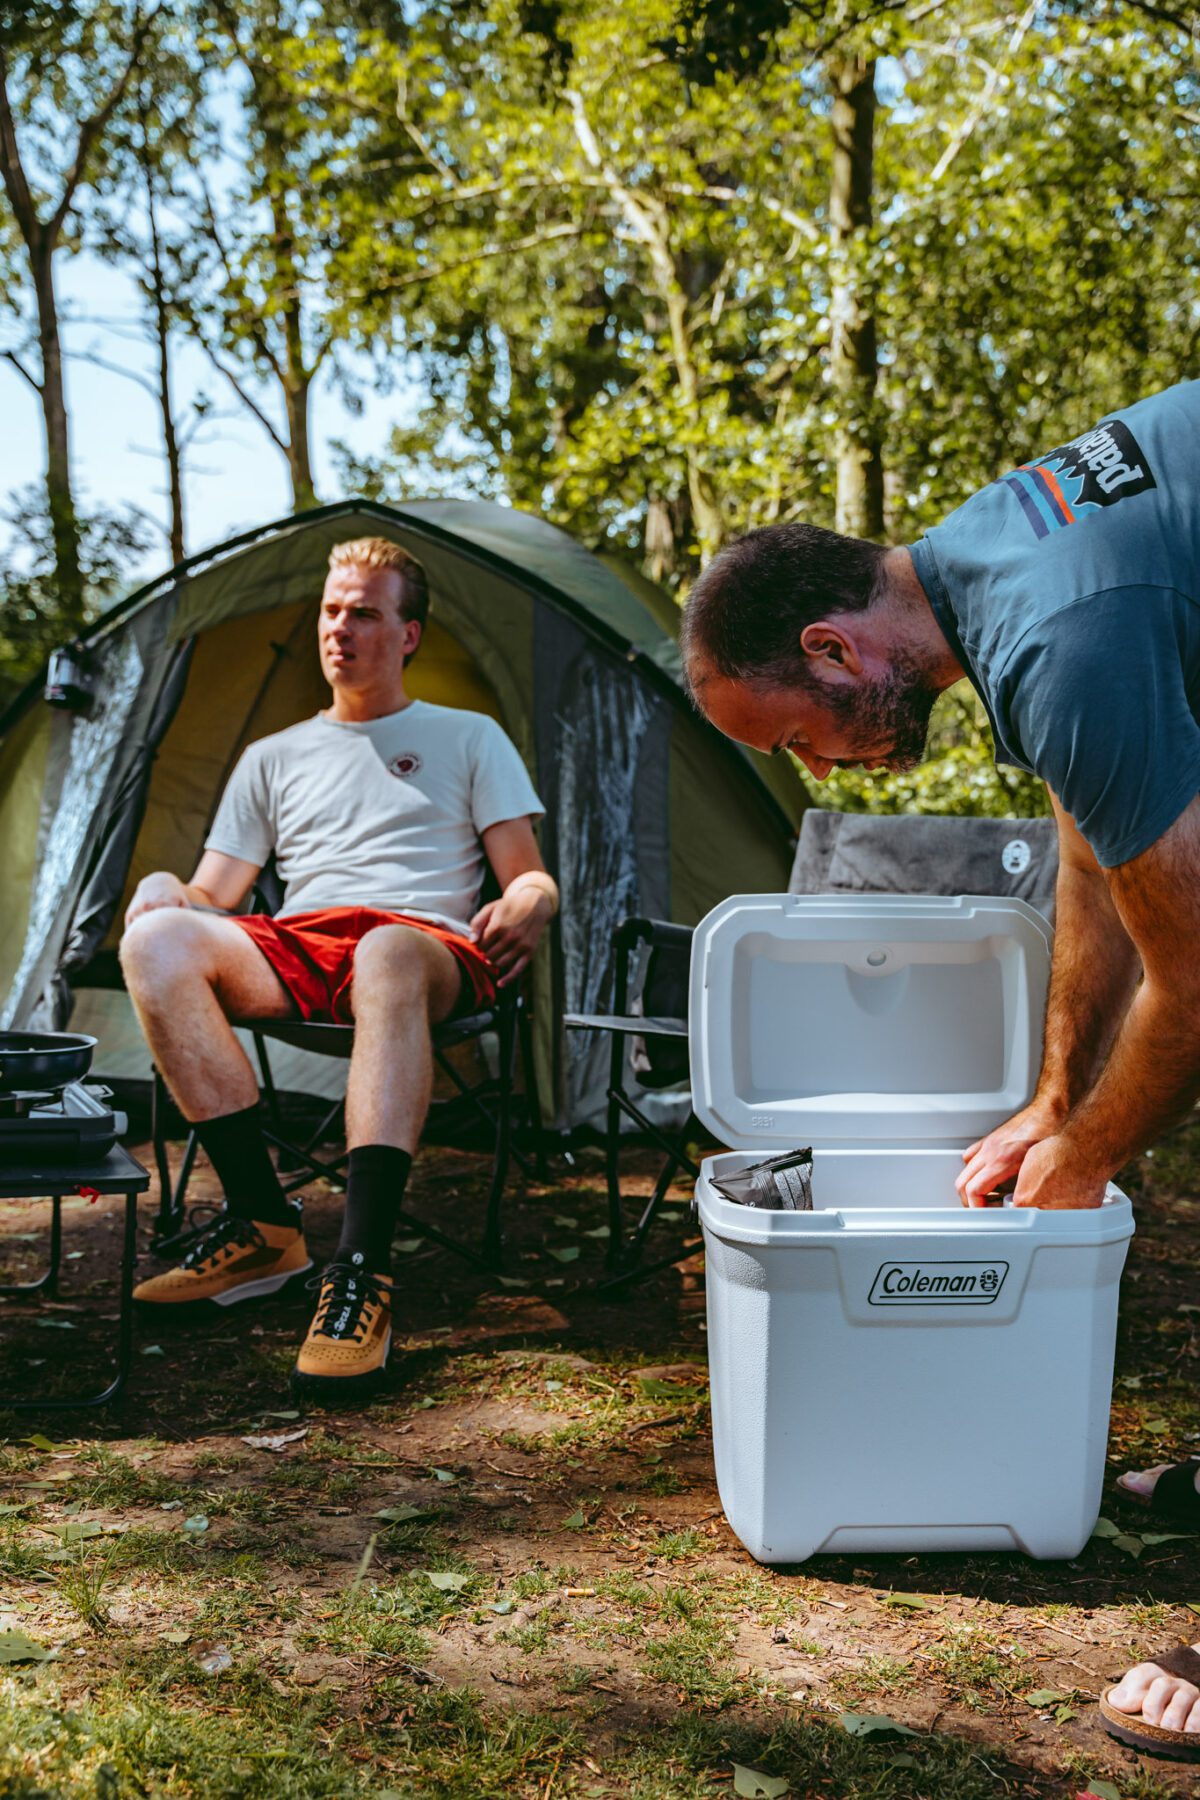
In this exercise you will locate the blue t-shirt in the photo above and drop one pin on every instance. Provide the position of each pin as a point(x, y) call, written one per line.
point(1069, 590)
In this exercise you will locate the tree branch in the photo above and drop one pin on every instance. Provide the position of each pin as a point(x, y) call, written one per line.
point(434, 270)
point(250, 405)
point(984, 99)
point(100, 362)
point(93, 127)
point(11, 167)
point(12, 357)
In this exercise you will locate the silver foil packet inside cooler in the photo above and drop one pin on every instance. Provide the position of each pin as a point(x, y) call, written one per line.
point(781, 1184)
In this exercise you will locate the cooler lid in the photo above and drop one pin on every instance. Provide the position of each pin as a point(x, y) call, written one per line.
point(837, 1018)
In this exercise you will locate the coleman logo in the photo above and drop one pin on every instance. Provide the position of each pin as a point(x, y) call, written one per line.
point(937, 1283)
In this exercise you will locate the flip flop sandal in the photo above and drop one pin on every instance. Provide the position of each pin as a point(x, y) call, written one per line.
point(1131, 1728)
point(1174, 1500)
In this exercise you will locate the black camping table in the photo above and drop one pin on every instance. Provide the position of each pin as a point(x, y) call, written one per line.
point(116, 1173)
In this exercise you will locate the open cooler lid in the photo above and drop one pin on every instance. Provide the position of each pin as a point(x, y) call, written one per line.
point(835, 1018)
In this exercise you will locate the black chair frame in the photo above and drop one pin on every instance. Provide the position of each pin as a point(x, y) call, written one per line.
point(633, 938)
point(491, 1100)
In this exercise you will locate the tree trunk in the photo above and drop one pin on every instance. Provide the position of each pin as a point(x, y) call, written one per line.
point(296, 376)
point(853, 359)
point(64, 523)
point(162, 337)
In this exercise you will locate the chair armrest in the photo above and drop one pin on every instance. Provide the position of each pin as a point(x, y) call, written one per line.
point(658, 933)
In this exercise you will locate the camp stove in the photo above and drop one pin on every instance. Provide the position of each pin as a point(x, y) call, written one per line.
point(51, 1126)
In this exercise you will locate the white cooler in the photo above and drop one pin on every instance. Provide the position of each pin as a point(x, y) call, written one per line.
point(891, 1371)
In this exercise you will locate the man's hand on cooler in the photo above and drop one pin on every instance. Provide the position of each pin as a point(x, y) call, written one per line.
point(507, 930)
point(1053, 1177)
point(996, 1160)
point(155, 891)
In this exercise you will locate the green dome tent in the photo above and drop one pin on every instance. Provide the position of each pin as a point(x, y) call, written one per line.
point(648, 810)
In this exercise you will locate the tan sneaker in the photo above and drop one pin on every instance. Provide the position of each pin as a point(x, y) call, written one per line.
point(232, 1259)
point(346, 1351)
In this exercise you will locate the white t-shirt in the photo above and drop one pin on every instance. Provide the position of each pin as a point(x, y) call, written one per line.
point(387, 813)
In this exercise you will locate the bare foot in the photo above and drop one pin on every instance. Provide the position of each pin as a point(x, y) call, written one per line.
point(1142, 1481)
point(1160, 1699)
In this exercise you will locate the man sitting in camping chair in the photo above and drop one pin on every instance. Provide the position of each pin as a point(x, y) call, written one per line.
point(380, 813)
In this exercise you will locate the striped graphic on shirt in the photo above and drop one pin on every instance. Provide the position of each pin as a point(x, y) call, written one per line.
point(1042, 500)
point(1081, 478)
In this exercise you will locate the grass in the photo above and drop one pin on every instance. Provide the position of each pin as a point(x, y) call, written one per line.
point(650, 1655)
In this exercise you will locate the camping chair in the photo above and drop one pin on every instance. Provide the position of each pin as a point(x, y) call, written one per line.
point(651, 961)
point(489, 1101)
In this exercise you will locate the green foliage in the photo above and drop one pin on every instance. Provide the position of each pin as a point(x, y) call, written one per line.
point(958, 776)
point(33, 616)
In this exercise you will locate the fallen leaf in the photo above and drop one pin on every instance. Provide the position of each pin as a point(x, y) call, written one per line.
point(566, 1221)
point(751, 1784)
point(40, 1442)
point(1126, 1541)
point(1043, 1697)
point(400, 1515)
point(446, 1581)
point(554, 1387)
point(55, 1324)
point(1158, 1425)
point(1162, 1537)
point(869, 1724)
point(601, 1231)
point(77, 1528)
point(278, 1440)
point(196, 1524)
point(566, 1253)
point(406, 1246)
point(512, 1281)
point(1100, 1790)
point(175, 1637)
point(906, 1602)
point(446, 1475)
point(290, 1413)
point(575, 1522)
point(1104, 1528)
point(153, 1350)
point(501, 1606)
point(15, 1647)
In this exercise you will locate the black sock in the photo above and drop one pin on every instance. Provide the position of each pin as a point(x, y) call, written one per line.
point(238, 1152)
point(375, 1182)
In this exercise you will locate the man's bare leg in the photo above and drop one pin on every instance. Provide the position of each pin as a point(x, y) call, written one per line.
point(405, 983)
point(187, 974)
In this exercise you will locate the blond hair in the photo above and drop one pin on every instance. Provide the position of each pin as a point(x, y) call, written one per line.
point(381, 553)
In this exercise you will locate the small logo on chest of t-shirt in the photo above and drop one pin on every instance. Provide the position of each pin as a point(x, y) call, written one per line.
point(407, 764)
point(1095, 470)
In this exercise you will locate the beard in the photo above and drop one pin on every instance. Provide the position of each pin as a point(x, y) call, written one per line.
point(887, 717)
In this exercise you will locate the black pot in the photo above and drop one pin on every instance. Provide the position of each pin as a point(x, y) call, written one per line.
point(43, 1059)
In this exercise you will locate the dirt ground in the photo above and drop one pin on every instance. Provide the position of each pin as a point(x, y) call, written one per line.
point(511, 1575)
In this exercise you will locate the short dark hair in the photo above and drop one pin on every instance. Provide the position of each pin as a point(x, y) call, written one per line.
point(746, 612)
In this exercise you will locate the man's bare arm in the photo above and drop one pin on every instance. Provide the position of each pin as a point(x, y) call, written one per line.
point(1092, 980)
point(507, 930)
point(1093, 975)
point(221, 882)
point(1152, 1077)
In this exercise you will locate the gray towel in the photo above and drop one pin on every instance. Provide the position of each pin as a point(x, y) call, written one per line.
point(906, 853)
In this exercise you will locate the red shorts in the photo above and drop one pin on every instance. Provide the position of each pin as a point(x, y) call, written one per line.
point(313, 955)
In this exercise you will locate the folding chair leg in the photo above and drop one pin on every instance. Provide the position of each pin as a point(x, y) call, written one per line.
point(492, 1239)
point(533, 1101)
point(612, 1178)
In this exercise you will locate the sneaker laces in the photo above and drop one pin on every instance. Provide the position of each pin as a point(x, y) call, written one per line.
point(346, 1291)
point(227, 1233)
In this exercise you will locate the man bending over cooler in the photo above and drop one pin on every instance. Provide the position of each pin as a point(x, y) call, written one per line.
point(380, 812)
